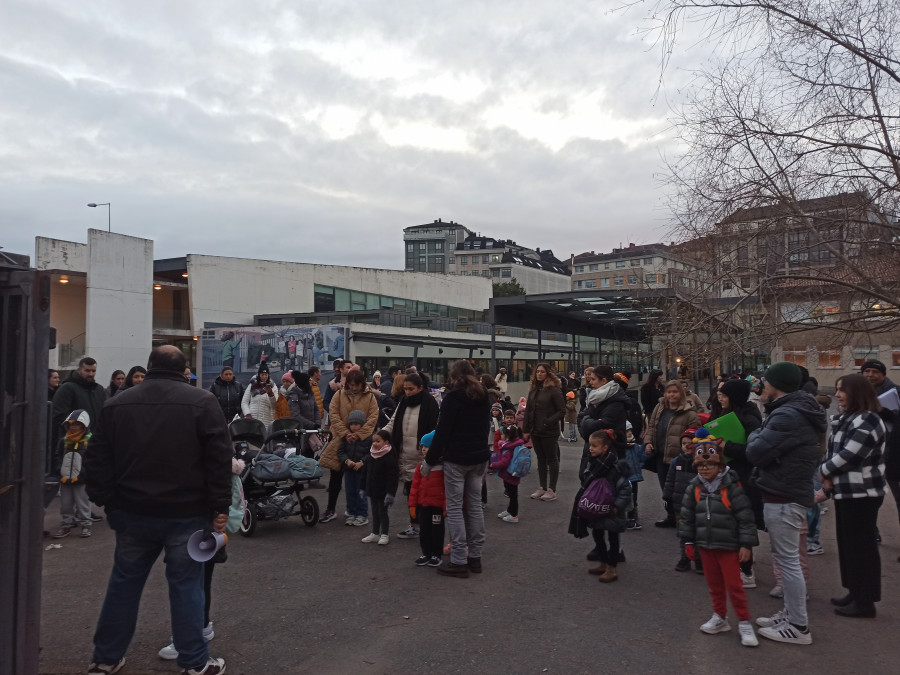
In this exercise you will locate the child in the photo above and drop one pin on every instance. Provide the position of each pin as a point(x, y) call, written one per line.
point(512, 439)
point(382, 478)
point(571, 418)
point(74, 506)
point(681, 473)
point(603, 463)
point(428, 505)
point(354, 457)
point(634, 458)
point(717, 515)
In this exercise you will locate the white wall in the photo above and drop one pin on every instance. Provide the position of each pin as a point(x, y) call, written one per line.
point(56, 254)
point(233, 290)
point(536, 281)
point(119, 300)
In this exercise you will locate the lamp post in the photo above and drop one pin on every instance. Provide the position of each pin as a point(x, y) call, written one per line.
point(108, 213)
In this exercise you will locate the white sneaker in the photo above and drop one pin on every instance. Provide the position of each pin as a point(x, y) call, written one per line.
point(814, 548)
point(716, 624)
point(370, 538)
point(776, 592)
point(786, 632)
point(748, 637)
point(768, 621)
point(169, 653)
point(350, 520)
point(510, 519)
point(502, 514)
point(749, 580)
point(359, 521)
point(383, 540)
point(537, 494)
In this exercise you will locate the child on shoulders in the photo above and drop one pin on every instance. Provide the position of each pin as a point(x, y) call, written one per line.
point(428, 505)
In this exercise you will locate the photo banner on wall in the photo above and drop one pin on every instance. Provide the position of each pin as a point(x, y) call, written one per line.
point(283, 348)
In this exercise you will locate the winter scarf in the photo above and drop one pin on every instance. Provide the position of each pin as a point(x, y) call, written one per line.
point(385, 449)
point(427, 422)
point(599, 395)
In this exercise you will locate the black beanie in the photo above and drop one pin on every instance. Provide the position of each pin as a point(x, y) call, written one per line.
point(301, 379)
point(874, 365)
point(737, 391)
point(784, 376)
point(263, 368)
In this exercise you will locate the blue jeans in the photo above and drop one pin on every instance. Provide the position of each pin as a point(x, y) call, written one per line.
point(784, 522)
point(465, 517)
point(139, 541)
point(356, 505)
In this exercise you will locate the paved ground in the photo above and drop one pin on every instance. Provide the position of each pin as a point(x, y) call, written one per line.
point(294, 599)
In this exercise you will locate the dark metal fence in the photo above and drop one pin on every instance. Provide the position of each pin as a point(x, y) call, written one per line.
point(24, 345)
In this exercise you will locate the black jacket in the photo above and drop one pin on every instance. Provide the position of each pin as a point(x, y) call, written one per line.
point(382, 475)
point(892, 444)
point(650, 395)
point(609, 414)
point(461, 430)
point(162, 449)
point(786, 448)
point(229, 395)
point(77, 394)
point(545, 409)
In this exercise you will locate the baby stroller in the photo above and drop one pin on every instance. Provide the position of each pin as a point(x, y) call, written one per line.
point(272, 484)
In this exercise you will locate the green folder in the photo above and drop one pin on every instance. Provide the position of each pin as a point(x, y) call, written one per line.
point(728, 427)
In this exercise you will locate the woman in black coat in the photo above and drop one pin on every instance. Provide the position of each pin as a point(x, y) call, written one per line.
point(652, 391)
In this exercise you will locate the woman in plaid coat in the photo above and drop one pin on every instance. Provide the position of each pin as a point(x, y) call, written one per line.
point(853, 473)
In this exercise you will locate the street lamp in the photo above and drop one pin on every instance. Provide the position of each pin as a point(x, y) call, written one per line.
point(108, 213)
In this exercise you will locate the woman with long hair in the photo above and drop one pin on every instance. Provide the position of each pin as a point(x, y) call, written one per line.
point(116, 380)
point(651, 391)
point(853, 474)
point(545, 407)
point(668, 420)
point(459, 445)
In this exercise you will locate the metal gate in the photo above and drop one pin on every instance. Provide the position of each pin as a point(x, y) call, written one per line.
point(24, 346)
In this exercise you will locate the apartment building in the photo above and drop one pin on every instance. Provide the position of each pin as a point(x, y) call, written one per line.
point(430, 247)
point(631, 268)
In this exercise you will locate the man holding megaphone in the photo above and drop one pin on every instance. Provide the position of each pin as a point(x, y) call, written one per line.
point(160, 463)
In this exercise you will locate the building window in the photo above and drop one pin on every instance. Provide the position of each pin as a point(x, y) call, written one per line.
point(619, 281)
point(829, 358)
point(746, 282)
point(606, 266)
point(495, 258)
point(590, 283)
point(795, 355)
point(593, 268)
point(648, 261)
point(579, 284)
point(620, 264)
point(604, 282)
point(422, 262)
point(895, 357)
point(463, 260)
point(506, 271)
point(422, 246)
point(485, 273)
point(439, 261)
point(485, 259)
point(495, 272)
point(636, 262)
point(439, 245)
point(863, 354)
point(661, 278)
point(410, 248)
point(579, 269)
point(726, 286)
point(451, 260)
point(632, 280)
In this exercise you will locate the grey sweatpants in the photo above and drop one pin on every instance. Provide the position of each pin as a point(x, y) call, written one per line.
point(465, 517)
point(74, 506)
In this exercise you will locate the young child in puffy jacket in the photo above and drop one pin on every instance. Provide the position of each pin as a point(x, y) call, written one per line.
point(717, 516)
point(634, 458)
point(428, 505)
point(681, 473)
point(512, 439)
point(74, 506)
point(380, 485)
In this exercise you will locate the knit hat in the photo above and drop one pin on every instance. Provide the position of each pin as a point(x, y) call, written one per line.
point(78, 416)
point(426, 439)
point(496, 406)
point(263, 368)
point(570, 395)
point(689, 433)
point(875, 365)
point(287, 378)
point(356, 417)
point(737, 391)
point(301, 380)
point(705, 447)
point(784, 376)
point(377, 373)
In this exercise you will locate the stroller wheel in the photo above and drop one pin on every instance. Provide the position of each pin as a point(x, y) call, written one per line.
point(248, 525)
point(309, 511)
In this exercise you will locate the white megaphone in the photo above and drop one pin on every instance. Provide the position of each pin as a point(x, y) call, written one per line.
point(204, 544)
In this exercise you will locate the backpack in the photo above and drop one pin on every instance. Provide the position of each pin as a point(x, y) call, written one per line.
point(71, 468)
point(520, 464)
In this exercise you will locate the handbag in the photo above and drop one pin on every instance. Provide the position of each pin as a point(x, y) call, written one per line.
point(597, 500)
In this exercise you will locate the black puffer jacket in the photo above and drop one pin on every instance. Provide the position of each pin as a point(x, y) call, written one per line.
point(892, 445)
point(612, 413)
point(229, 395)
point(382, 475)
point(303, 407)
point(785, 450)
point(616, 474)
point(709, 522)
point(680, 474)
point(461, 429)
point(76, 393)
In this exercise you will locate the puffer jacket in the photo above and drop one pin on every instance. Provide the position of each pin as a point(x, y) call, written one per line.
point(785, 449)
point(229, 395)
point(257, 403)
point(303, 407)
point(76, 393)
point(545, 408)
point(342, 404)
point(428, 491)
point(616, 476)
point(609, 413)
point(685, 417)
point(506, 450)
point(680, 474)
point(722, 520)
point(382, 476)
point(461, 429)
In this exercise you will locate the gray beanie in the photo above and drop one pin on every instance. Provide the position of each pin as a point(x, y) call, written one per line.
point(356, 417)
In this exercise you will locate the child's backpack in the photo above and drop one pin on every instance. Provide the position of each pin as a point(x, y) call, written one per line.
point(520, 464)
point(71, 468)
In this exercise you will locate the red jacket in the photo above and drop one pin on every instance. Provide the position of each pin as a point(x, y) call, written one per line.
point(428, 491)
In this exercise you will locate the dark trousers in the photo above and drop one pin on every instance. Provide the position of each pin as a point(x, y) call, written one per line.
point(854, 521)
point(208, 568)
point(894, 485)
point(335, 478)
point(633, 514)
point(609, 556)
point(662, 470)
point(381, 522)
point(512, 491)
point(547, 451)
point(431, 529)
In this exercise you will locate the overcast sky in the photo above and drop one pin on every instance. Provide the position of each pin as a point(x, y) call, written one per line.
point(317, 131)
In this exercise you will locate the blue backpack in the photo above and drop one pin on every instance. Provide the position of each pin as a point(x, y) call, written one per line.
point(520, 464)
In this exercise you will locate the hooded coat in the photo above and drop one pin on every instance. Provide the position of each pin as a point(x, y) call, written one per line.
point(712, 522)
point(77, 393)
point(786, 448)
point(607, 408)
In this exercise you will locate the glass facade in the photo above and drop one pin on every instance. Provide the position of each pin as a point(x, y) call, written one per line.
point(332, 299)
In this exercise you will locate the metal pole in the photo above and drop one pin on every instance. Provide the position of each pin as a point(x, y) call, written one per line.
point(494, 349)
point(540, 347)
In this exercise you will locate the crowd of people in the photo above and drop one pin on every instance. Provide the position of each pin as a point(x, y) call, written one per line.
point(772, 475)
